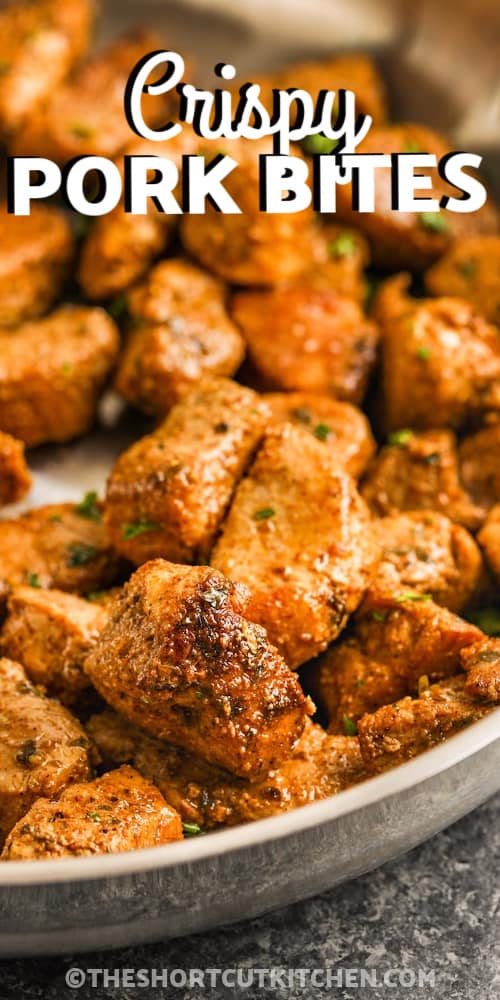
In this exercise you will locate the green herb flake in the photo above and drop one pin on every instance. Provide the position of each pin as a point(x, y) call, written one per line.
point(400, 438)
point(66, 368)
point(81, 131)
point(94, 815)
point(411, 596)
point(433, 458)
point(349, 726)
point(379, 616)
point(138, 528)
point(360, 682)
point(79, 554)
point(55, 519)
point(264, 514)
point(95, 595)
point(88, 507)
point(33, 580)
point(423, 353)
point(412, 146)
point(434, 222)
point(343, 246)
point(487, 619)
point(467, 267)
point(322, 432)
point(191, 829)
point(318, 143)
point(301, 414)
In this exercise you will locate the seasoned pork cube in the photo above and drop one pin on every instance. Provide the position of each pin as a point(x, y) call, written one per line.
point(479, 458)
point(35, 255)
point(396, 733)
point(15, 479)
point(482, 663)
point(85, 116)
point(419, 472)
point(338, 258)
point(297, 534)
point(42, 747)
point(440, 360)
point(121, 811)
point(489, 540)
point(50, 633)
point(40, 41)
point(206, 796)
point(168, 493)
point(58, 546)
point(52, 371)
point(344, 429)
point(120, 247)
point(410, 240)
point(307, 340)
point(254, 247)
point(179, 658)
point(470, 270)
point(181, 333)
point(426, 552)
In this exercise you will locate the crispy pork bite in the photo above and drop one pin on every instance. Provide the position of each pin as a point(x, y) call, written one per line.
point(419, 471)
point(121, 811)
point(410, 240)
point(344, 429)
point(57, 546)
point(52, 371)
point(35, 254)
point(479, 458)
point(85, 116)
point(489, 540)
point(425, 552)
point(178, 658)
point(302, 339)
point(120, 247)
point(205, 795)
point(470, 270)
point(180, 333)
point(254, 247)
point(339, 258)
point(168, 494)
point(440, 360)
point(51, 632)
point(297, 534)
point(40, 42)
point(15, 479)
point(482, 663)
point(395, 733)
point(42, 746)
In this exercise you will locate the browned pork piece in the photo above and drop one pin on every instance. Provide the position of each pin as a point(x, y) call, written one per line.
point(179, 658)
point(57, 546)
point(168, 493)
point(425, 552)
point(489, 540)
point(35, 255)
point(440, 360)
point(398, 642)
point(85, 116)
point(52, 371)
point(254, 247)
point(344, 429)
point(42, 746)
point(40, 41)
point(120, 247)
point(297, 534)
point(470, 269)
point(479, 458)
point(339, 258)
point(299, 338)
point(180, 333)
point(121, 811)
point(395, 733)
point(15, 479)
point(482, 663)
point(420, 472)
point(50, 633)
point(410, 240)
point(321, 765)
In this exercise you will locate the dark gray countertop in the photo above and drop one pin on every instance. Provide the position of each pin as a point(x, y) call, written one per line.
point(435, 909)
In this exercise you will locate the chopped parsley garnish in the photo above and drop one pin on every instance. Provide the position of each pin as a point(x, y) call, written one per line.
point(411, 596)
point(318, 144)
point(191, 829)
point(79, 554)
point(322, 432)
point(400, 438)
point(55, 519)
point(95, 595)
point(81, 131)
point(433, 458)
point(423, 353)
point(88, 507)
point(66, 368)
point(434, 222)
point(360, 682)
point(343, 246)
point(412, 146)
point(300, 413)
point(487, 619)
point(138, 528)
point(33, 580)
point(349, 726)
point(264, 514)
point(94, 815)
point(379, 616)
point(467, 267)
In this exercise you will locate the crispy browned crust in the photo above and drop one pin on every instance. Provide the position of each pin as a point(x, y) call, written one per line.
point(178, 658)
point(469, 270)
point(15, 479)
point(119, 812)
point(489, 540)
point(482, 663)
point(35, 256)
point(479, 458)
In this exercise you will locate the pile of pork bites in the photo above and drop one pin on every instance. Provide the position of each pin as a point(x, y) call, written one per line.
point(269, 552)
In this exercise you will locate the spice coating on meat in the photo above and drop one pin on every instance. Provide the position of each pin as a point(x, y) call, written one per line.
point(15, 479)
point(482, 663)
point(470, 270)
point(489, 540)
point(35, 254)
